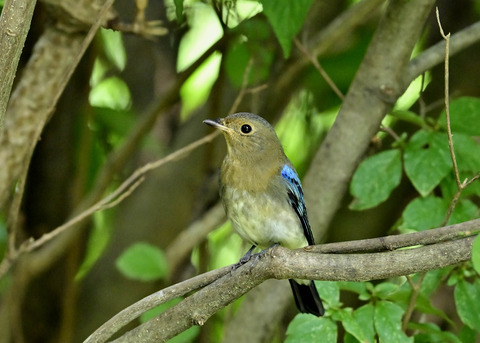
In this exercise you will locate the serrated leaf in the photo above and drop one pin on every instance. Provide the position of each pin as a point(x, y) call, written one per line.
point(476, 254)
point(308, 328)
point(467, 297)
point(424, 213)
point(142, 261)
point(375, 179)
point(388, 323)
point(286, 18)
point(360, 323)
point(427, 160)
point(464, 116)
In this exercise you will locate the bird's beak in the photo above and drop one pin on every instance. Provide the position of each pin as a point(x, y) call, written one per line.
point(217, 123)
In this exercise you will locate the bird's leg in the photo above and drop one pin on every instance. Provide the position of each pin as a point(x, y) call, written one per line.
point(262, 253)
point(247, 256)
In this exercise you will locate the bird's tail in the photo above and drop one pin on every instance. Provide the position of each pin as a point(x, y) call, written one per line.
point(307, 298)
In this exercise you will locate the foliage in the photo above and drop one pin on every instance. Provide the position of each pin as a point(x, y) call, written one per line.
point(411, 157)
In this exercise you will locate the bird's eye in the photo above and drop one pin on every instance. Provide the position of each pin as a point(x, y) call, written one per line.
point(246, 128)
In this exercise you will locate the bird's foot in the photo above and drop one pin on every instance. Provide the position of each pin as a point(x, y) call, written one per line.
point(261, 254)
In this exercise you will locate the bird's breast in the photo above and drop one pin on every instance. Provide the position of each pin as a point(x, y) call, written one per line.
point(263, 219)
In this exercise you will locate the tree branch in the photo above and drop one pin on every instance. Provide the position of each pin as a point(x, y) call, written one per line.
point(372, 94)
point(436, 53)
point(282, 263)
point(14, 26)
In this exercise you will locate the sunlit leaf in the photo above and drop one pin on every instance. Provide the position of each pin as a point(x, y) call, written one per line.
point(114, 48)
point(98, 240)
point(375, 179)
point(110, 93)
point(142, 261)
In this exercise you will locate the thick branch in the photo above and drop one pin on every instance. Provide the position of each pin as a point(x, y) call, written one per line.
point(376, 87)
point(283, 263)
point(14, 25)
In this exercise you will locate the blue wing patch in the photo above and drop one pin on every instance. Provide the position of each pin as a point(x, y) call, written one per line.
point(295, 196)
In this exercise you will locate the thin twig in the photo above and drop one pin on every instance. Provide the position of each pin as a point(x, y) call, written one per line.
point(320, 69)
point(413, 299)
point(447, 107)
point(243, 88)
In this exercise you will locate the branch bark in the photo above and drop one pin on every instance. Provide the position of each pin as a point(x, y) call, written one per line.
point(282, 263)
point(376, 87)
point(14, 26)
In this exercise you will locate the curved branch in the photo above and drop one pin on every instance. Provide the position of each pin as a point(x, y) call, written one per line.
point(103, 333)
point(282, 263)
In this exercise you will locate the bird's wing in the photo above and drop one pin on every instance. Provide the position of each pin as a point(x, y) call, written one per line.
point(295, 196)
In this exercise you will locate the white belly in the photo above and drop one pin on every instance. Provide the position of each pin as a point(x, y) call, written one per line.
point(264, 221)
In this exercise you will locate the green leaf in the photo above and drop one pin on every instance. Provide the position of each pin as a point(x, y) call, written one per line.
point(357, 287)
point(464, 116)
point(360, 323)
point(98, 240)
point(467, 297)
point(376, 177)
point(286, 18)
point(111, 93)
point(424, 305)
point(467, 335)
point(308, 328)
point(467, 153)
point(142, 261)
point(427, 160)
point(385, 289)
point(388, 323)
point(430, 332)
point(476, 254)
point(424, 213)
point(329, 291)
point(432, 280)
point(179, 11)
point(464, 210)
point(114, 48)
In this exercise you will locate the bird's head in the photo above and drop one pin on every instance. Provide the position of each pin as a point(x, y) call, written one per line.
point(248, 136)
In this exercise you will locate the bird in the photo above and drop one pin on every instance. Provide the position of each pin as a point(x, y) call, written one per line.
point(262, 195)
